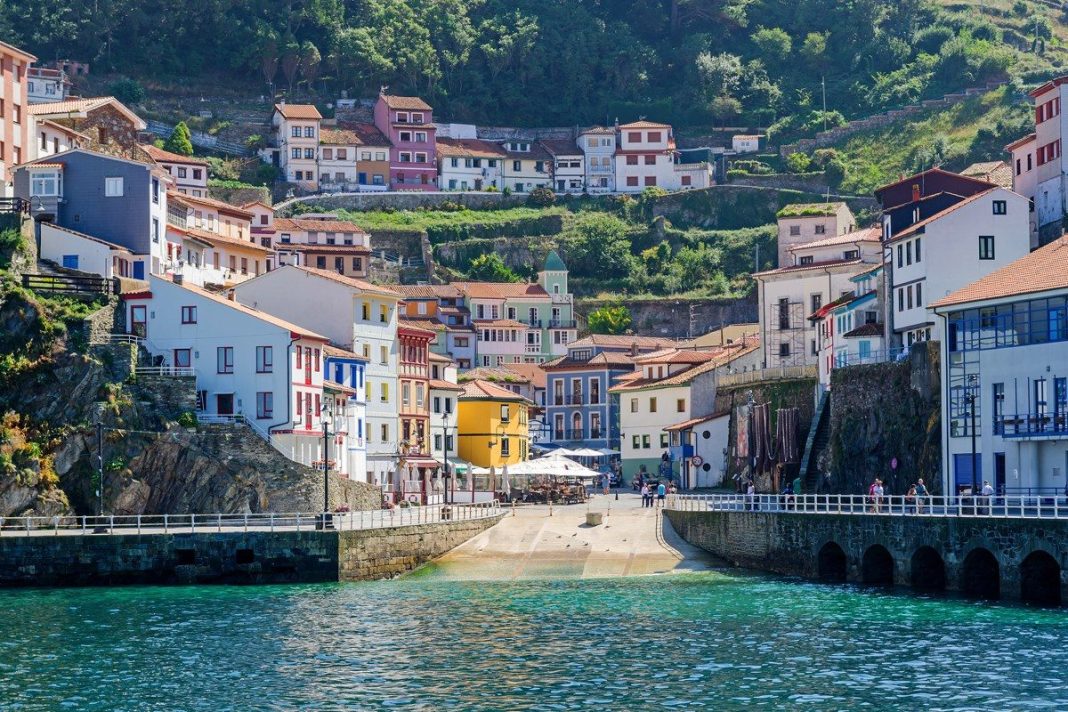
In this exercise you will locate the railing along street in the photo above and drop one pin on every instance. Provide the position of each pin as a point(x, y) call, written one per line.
point(1024, 506)
point(150, 524)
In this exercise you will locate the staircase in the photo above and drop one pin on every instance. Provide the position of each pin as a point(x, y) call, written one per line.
point(819, 435)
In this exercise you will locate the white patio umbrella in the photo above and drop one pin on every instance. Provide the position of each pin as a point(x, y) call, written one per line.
point(587, 452)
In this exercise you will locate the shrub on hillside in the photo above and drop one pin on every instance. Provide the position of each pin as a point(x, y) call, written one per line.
point(181, 140)
point(127, 90)
point(541, 198)
point(615, 319)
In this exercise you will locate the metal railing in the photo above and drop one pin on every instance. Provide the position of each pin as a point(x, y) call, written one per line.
point(782, 373)
point(1047, 424)
point(164, 370)
point(154, 524)
point(1003, 506)
point(66, 283)
point(117, 339)
point(843, 360)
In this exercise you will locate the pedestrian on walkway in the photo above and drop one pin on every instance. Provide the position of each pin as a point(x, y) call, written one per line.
point(988, 496)
point(879, 491)
point(647, 499)
point(921, 495)
point(750, 496)
point(606, 481)
point(661, 492)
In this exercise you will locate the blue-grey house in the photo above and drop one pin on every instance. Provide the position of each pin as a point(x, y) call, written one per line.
point(578, 409)
point(120, 201)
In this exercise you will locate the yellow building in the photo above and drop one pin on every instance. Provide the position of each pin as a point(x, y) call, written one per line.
point(491, 425)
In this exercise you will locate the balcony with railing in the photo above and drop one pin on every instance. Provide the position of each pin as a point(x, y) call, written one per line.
point(560, 435)
point(1040, 425)
point(562, 324)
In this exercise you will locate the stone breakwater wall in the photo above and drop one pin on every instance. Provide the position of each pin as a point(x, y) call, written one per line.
point(806, 545)
point(383, 553)
point(258, 557)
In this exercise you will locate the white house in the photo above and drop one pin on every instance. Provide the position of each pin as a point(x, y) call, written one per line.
point(568, 166)
point(444, 392)
point(1039, 168)
point(246, 362)
point(46, 84)
point(746, 143)
point(50, 138)
point(296, 132)
point(946, 251)
point(76, 250)
point(359, 317)
point(801, 223)
point(850, 330)
point(469, 164)
point(190, 175)
point(699, 446)
point(816, 273)
point(345, 385)
point(645, 157)
point(598, 146)
point(526, 166)
point(1025, 178)
point(1005, 373)
point(668, 387)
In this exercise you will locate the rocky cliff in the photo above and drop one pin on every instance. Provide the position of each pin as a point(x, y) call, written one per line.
point(55, 385)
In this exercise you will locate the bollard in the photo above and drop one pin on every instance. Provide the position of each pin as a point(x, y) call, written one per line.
point(513, 507)
point(550, 506)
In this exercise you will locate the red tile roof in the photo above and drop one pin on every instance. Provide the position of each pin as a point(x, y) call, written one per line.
point(339, 137)
point(405, 103)
point(214, 238)
point(531, 371)
point(865, 330)
point(1043, 270)
point(500, 290)
point(484, 390)
point(1021, 141)
point(342, 279)
point(809, 266)
point(559, 147)
point(868, 234)
point(211, 203)
point(368, 134)
point(468, 148)
point(645, 125)
point(161, 156)
point(724, 356)
point(298, 111)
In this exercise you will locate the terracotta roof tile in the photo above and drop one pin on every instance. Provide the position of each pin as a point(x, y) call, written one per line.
point(298, 111)
point(868, 234)
point(468, 148)
point(436, 384)
point(405, 103)
point(559, 147)
point(1043, 270)
point(312, 225)
point(531, 371)
point(500, 290)
point(368, 134)
point(161, 156)
point(360, 284)
point(214, 238)
point(485, 390)
point(865, 330)
point(643, 124)
point(339, 137)
point(502, 323)
point(427, 291)
point(687, 424)
point(725, 356)
point(219, 205)
point(78, 106)
point(810, 266)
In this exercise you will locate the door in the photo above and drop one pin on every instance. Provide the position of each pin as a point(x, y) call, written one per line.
point(224, 403)
point(999, 472)
point(362, 178)
point(139, 320)
point(308, 412)
point(139, 269)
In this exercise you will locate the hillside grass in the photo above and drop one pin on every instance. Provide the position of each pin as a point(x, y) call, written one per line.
point(971, 131)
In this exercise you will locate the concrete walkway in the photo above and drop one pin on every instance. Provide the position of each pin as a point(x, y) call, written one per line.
point(632, 541)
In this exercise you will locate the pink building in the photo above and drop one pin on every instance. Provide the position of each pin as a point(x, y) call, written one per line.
point(15, 147)
point(407, 123)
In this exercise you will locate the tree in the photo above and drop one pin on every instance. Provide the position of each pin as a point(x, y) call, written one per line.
point(127, 90)
point(269, 61)
point(181, 141)
point(490, 268)
point(614, 319)
point(720, 74)
point(310, 60)
point(723, 108)
point(797, 162)
point(814, 49)
point(774, 43)
point(290, 61)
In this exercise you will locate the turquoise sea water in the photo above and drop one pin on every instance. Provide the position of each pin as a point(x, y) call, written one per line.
point(710, 641)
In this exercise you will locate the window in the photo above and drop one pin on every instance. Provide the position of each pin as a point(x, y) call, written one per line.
point(646, 442)
point(633, 405)
point(632, 181)
point(851, 255)
point(663, 439)
point(900, 256)
point(634, 136)
point(650, 160)
point(189, 315)
point(295, 132)
point(225, 359)
point(908, 293)
point(650, 180)
point(385, 433)
point(182, 358)
point(383, 313)
point(821, 229)
point(636, 442)
point(264, 405)
point(1000, 207)
point(919, 288)
point(901, 300)
point(652, 405)
point(795, 230)
point(680, 405)
point(784, 349)
point(986, 247)
point(113, 187)
point(817, 302)
point(264, 359)
point(385, 393)
point(309, 153)
point(383, 354)
point(632, 160)
point(309, 132)
point(504, 412)
point(917, 250)
point(155, 229)
point(155, 191)
point(806, 260)
point(46, 184)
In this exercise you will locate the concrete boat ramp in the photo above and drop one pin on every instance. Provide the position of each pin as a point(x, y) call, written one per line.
point(537, 543)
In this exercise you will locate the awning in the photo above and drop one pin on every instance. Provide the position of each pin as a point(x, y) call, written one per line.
point(421, 462)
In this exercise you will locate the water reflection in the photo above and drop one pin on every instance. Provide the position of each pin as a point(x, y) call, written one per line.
point(691, 641)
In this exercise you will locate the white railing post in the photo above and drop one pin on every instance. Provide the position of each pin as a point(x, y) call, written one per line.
point(218, 522)
point(138, 525)
point(192, 523)
point(164, 523)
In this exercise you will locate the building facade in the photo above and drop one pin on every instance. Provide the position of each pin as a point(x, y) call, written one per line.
point(296, 138)
point(493, 428)
point(645, 157)
point(14, 121)
point(598, 146)
point(408, 123)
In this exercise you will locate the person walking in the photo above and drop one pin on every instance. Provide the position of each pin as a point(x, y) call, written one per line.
point(988, 496)
point(921, 495)
point(606, 481)
point(879, 491)
point(750, 496)
point(661, 492)
point(647, 498)
point(910, 499)
point(871, 495)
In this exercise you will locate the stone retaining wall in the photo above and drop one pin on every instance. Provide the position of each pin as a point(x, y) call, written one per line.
point(384, 553)
point(791, 543)
point(228, 557)
point(407, 200)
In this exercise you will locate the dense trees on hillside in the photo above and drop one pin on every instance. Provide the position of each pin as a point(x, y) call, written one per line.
point(537, 61)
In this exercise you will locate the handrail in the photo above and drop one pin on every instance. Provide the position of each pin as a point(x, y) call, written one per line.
point(164, 370)
point(155, 524)
point(996, 505)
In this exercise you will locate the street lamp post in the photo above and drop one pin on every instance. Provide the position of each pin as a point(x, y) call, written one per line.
point(445, 452)
point(324, 417)
point(971, 409)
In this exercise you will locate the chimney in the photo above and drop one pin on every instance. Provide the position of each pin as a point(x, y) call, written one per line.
point(231, 296)
point(634, 349)
point(178, 278)
point(915, 192)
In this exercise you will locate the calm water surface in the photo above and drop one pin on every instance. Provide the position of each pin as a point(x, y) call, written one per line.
point(688, 642)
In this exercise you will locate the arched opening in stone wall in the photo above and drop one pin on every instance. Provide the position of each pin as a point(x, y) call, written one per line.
point(928, 570)
point(980, 575)
point(877, 567)
point(1040, 579)
point(831, 563)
